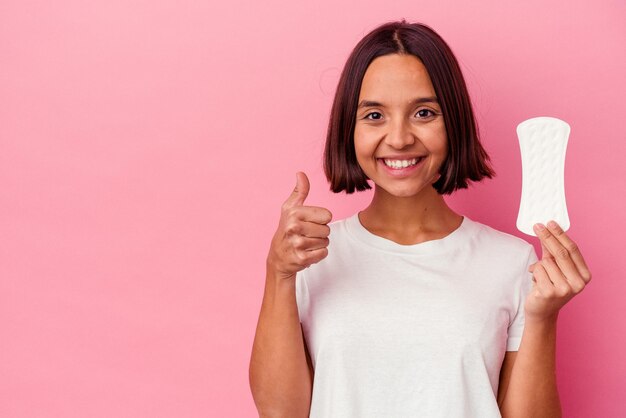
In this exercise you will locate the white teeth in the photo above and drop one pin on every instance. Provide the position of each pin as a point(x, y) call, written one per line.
point(400, 163)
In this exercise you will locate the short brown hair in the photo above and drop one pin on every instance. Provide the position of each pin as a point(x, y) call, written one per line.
point(466, 160)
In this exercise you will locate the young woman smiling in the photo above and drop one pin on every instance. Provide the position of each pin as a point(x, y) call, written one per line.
point(407, 308)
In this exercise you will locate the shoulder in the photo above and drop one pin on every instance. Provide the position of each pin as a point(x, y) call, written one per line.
point(498, 240)
point(502, 252)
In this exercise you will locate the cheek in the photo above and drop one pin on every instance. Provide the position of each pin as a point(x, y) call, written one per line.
point(437, 142)
point(363, 146)
point(362, 157)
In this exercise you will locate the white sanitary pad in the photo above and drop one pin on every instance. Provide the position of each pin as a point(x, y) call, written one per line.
point(542, 141)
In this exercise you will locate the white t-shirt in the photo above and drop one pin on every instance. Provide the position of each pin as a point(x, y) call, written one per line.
point(398, 331)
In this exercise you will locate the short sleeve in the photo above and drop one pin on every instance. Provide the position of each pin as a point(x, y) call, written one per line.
point(302, 294)
point(516, 327)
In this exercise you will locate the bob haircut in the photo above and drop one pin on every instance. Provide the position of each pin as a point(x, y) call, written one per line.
point(466, 160)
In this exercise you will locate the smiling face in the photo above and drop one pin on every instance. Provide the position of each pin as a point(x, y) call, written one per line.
point(399, 137)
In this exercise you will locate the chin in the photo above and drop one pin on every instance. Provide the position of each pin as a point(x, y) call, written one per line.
point(403, 191)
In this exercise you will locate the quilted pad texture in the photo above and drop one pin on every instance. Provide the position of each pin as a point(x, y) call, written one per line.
point(543, 141)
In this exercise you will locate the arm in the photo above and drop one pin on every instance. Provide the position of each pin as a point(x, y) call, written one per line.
point(505, 375)
point(561, 274)
point(280, 377)
point(532, 389)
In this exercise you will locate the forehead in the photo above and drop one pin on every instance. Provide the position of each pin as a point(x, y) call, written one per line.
point(396, 77)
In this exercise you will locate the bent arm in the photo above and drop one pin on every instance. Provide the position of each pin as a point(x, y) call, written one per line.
point(281, 379)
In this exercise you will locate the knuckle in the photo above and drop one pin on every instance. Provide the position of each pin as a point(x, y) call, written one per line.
point(572, 247)
point(563, 291)
point(298, 241)
point(301, 257)
point(577, 288)
point(289, 227)
point(558, 231)
point(562, 253)
point(319, 255)
point(293, 227)
point(292, 212)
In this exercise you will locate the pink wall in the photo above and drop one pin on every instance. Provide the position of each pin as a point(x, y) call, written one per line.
point(146, 147)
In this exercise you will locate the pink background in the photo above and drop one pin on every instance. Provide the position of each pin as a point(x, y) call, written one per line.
point(146, 147)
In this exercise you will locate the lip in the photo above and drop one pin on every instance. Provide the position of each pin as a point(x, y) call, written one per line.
point(401, 172)
point(400, 157)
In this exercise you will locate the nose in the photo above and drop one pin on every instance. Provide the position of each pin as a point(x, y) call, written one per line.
point(399, 135)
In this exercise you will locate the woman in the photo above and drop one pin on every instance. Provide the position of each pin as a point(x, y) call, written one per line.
point(407, 308)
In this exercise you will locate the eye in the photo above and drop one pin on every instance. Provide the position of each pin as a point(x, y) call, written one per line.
point(425, 113)
point(372, 113)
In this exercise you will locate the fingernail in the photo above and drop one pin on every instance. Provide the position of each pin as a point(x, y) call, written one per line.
point(552, 224)
point(539, 227)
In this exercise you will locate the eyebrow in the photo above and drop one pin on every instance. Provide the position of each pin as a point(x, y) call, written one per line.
point(370, 103)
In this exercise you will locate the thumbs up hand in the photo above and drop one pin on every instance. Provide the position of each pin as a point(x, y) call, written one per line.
point(302, 235)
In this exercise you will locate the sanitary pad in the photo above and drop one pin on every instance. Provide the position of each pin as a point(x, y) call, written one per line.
point(542, 141)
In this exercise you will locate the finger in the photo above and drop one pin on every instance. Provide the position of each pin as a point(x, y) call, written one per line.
point(545, 286)
point(572, 249)
point(575, 283)
point(314, 256)
point(531, 269)
point(300, 192)
point(314, 230)
point(559, 253)
point(545, 253)
point(556, 276)
point(307, 244)
point(317, 243)
point(314, 214)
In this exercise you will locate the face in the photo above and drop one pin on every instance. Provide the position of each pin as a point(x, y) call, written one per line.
point(399, 137)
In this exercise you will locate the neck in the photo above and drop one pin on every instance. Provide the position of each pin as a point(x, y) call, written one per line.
point(409, 219)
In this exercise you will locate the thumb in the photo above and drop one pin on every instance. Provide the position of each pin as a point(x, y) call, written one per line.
point(301, 190)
